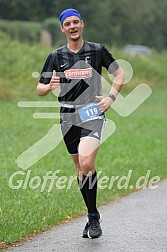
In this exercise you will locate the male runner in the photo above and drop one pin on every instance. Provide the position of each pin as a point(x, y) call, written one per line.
point(76, 69)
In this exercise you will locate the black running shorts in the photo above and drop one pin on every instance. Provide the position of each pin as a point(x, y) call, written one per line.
point(73, 130)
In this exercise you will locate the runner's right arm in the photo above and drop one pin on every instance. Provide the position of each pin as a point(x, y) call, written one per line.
point(43, 89)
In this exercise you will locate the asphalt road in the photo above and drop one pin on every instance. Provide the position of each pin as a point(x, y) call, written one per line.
point(135, 223)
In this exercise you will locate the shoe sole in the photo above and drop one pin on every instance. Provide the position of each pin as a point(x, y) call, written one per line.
point(100, 219)
point(94, 236)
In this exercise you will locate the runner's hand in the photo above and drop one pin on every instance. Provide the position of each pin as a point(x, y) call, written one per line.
point(105, 103)
point(55, 81)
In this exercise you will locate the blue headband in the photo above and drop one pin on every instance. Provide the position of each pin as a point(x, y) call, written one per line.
point(68, 13)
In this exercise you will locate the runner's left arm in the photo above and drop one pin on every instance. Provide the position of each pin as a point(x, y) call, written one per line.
point(113, 68)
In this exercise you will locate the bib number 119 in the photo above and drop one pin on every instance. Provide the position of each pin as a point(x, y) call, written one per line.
point(92, 112)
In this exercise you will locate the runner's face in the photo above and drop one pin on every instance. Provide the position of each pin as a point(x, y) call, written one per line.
point(72, 27)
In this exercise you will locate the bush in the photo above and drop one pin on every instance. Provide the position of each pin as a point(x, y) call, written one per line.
point(4, 36)
point(26, 31)
point(22, 31)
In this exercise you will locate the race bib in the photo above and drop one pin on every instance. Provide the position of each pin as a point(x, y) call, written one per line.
point(90, 112)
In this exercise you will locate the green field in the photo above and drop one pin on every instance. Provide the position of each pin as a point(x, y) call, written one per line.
point(138, 144)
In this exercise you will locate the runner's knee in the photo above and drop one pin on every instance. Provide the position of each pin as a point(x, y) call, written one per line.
point(86, 165)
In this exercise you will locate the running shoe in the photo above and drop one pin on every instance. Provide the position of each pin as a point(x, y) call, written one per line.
point(92, 224)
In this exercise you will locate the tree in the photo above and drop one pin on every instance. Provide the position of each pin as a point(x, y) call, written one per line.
point(109, 21)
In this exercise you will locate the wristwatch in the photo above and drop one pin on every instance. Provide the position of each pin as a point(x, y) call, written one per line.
point(112, 97)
